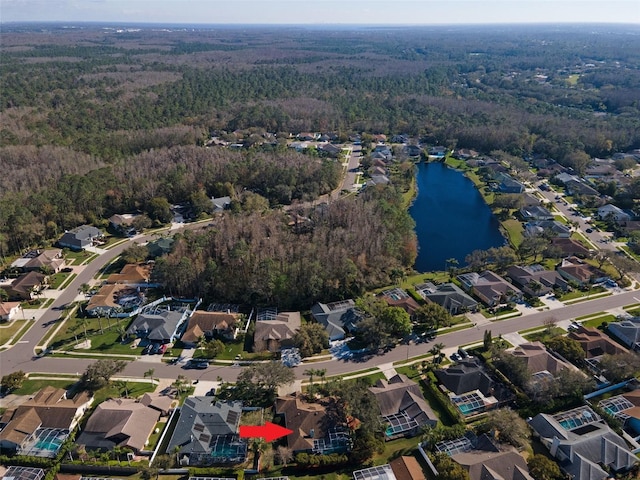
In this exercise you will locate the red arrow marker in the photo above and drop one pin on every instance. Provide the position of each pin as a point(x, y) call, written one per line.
point(270, 431)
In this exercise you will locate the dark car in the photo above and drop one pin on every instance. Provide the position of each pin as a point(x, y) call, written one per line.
point(589, 230)
point(67, 270)
point(198, 364)
point(147, 350)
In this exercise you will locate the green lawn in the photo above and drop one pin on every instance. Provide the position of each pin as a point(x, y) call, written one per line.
point(154, 437)
point(580, 294)
point(514, 231)
point(36, 303)
point(57, 279)
point(8, 331)
point(597, 321)
point(113, 390)
point(29, 387)
point(76, 258)
point(544, 334)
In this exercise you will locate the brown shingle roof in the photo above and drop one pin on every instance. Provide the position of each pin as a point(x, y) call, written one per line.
point(407, 468)
point(132, 274)
point(538, 359)
point(202, 322)
point(595, 343)
point(302, 418)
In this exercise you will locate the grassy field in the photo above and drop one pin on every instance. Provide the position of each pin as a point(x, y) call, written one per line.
point(597, 321)
point(29, 387)
point(9, 330)
point(580, 294)
point(116, 390)
point(545, 334)
point(514, 231)
point(76, 258)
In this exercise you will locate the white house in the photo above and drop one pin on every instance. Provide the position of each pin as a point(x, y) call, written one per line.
point(611, 211)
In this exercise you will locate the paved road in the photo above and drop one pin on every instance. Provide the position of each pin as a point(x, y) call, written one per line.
point(21, 356)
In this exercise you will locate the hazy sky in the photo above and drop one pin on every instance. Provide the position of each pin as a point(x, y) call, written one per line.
point(324, 11)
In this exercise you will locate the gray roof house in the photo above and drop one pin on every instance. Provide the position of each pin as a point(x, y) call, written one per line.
point(447, 295)
point(158, 326)
point(402, 406)
point(536, 213)
point(489, 287)
point(471, 388)
point(79, 238)
point(336, 317)
point(534, 280)
point(221, 203)
point(507, 184)
point(207, 432)
point(557, 229)
point(627, 331)
point(611, 211)
point(583, 443)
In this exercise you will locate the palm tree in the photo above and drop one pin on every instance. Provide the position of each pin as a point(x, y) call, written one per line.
point(436, 351)
point(149, 373)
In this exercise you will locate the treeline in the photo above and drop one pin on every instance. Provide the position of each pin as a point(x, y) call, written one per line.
point(61, 189)
point(257, 259)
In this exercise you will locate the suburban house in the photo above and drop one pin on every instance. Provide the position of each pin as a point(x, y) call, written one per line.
point(158, 401)
point(610, 211)
point(207, 433)
point(26, 285)
point(489, 287)
point(274, 334)
point(508, 184)
point(412, 150)
point(569, 247)
point(159, 247)
point(12, 472)
point(121, 422)
point(448, 296)
point(594, 342)
point(330, 149)
point(337, 318)
point(465, 154)
point(576, 187)
point(397, 297)
point(583, 444)
point(438, 151)
point(8, 311)
point(575, 270)
point(308, 136)
point(600, 169)
point(538, 359)
point(530, 200)
point(133, 274)
point(627, 331)
point(402, 468)
point(471, 388)
point(50, 260)
point(47, 410)
point(80, 238)
point(113, 299)
point(159, 325)
point(402, 407)
point(378, 180)
point(313, 430)
point(554, 227)
point(220, 204)
point(209, 325)
point(535, 213)
point(626, 408)
point(485, 459)
point(534, 280)
point(122, 223)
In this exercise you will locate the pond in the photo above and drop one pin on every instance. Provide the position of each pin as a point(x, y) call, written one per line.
point(452, 219)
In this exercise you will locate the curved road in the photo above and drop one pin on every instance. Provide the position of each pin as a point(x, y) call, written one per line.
point(21, 355)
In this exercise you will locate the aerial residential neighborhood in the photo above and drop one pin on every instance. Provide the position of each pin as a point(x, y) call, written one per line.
point(294, 254)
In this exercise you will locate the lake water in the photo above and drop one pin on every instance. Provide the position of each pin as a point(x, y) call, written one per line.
point(452, 219)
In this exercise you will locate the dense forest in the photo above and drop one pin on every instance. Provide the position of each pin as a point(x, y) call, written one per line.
point(101, 120)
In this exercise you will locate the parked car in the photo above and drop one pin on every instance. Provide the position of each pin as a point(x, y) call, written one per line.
point(198, 364)
point(455, 357)
point(162, 349)
point(147, 350)
point(156, 348)
point(589, 230)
